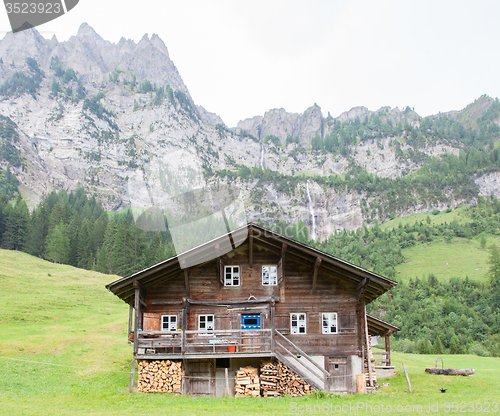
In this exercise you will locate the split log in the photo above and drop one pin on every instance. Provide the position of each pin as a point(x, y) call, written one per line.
point(159, 376)
point(450, 371)
point(276, 379)
point(247, 382)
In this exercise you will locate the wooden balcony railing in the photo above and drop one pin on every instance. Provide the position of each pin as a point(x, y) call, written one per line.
point(202, 342)
point(385, 361)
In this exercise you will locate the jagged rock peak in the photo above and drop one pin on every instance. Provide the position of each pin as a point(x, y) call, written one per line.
point(353, 113)
point(159, 44)
point(17, 46)
point(85, 30)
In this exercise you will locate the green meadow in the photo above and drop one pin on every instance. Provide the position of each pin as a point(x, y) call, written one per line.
point(458, 258)
point(63, 351)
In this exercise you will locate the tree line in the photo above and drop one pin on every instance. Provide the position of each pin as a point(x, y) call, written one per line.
point(72, 229)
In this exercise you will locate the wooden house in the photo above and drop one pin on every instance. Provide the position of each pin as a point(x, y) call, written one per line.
point(255, 295)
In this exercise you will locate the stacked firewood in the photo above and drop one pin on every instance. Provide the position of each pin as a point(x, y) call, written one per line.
point(279, 380)
point(372, 362)
point(159, 376)
point(246, 382)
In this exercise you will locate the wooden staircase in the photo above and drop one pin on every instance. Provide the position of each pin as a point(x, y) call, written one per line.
point(295, 358)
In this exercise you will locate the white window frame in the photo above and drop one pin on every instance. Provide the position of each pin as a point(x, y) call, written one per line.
point(203, 319)
point(232, 274)
point(330, 318)
point(171, 326)
point(300, 318)
point(272, 274)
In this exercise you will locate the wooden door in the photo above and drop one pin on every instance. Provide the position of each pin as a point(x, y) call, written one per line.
point(201, 376)
point(250, 340)
point(338, 371)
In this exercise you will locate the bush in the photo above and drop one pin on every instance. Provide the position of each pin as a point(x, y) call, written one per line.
point(478, 349)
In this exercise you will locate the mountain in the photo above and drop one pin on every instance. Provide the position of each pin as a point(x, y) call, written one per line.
point(118, 120)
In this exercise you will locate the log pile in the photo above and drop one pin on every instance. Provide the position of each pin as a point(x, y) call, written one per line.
point(279, 380)
point(246, 382)
point(160, 376)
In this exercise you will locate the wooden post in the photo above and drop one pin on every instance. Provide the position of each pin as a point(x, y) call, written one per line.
point(137, 305)
point(315, 273)
point(250, 248)
point(283, 252)
point(273, 324)
point(184, 326)
point(185, 379)
point(186, 281)
point(388, 349)
point(130, 318)
point(368, 360)
point(407, 378)
point(132, 375)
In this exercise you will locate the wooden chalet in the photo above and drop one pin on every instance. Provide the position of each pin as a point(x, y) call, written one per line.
point(264, 297)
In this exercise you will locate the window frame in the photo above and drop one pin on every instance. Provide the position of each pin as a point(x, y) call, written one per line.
point(329, 315)
point(269, 272)
point(298, 326)
point(232, 277)
point(169, 322)
point(205, 315)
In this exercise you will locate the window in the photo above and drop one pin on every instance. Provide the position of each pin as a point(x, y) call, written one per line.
point(250, 321)
point(269, 275)
point(169, 323)
point(231, 275)
point(297, 323)
point(206, 323)
point(329, 324)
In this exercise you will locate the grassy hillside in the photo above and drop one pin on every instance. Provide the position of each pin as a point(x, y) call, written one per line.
point(458, 258)
point(63, 351)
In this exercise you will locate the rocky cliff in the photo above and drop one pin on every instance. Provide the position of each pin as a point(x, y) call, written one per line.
point(91, 113)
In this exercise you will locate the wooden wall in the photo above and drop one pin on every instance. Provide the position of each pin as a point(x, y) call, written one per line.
point(295, 294)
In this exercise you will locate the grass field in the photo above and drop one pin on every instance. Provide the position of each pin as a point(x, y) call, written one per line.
point(457, 214)
point(458, 258)
point(63, 351)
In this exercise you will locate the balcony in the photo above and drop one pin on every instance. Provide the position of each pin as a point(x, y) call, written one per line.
point(202, 344)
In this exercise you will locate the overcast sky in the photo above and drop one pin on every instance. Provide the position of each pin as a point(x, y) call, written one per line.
point(242, 58)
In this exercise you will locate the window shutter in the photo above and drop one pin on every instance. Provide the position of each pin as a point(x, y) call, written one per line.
point(347, 322)
point(280, 271)
point(151, 322)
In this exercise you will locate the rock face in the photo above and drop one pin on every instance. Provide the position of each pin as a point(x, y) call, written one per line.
point(118, 120)
point(281, 124)
point(489, 184)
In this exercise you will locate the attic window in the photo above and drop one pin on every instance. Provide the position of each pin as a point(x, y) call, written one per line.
point(269, 275)
point(297, 323)
point(329, 323)
point(231, 275)
point(169, 323)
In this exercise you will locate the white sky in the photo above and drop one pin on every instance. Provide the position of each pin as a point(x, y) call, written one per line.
point(242, 58)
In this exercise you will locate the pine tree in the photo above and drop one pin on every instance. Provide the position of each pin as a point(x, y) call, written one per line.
point(494, 262)
point(123, 258)
point(37, 231)
point(58, 244)
point(83, 251)
point(105, 256)
point(438, 346)
point(21, 218)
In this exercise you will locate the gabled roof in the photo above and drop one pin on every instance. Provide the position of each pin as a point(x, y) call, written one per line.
point(378, 327)
point(374, 284)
